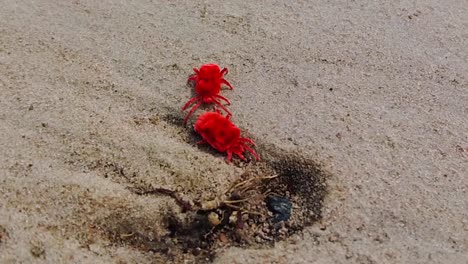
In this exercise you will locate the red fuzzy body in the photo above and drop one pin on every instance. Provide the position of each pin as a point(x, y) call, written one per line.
point(208, 81)
point(220, 133)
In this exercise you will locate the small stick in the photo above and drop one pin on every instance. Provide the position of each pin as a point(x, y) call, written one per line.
point(254, 213)
point(239, 184)
point(186, 206)
point(127, 235)
point(233, 206)
point(235, 201)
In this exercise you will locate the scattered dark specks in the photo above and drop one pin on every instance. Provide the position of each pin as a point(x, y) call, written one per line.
point(154, 120)
point(37, 249)
point(338, 135)
point(280, 206)
point(461, 149)
point(414, 15)
point(295, 82)
point(3, 234)
point(334, 238)
point(174, 67)
point(203, 12)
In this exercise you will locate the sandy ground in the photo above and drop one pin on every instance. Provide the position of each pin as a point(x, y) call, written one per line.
point(374, 91)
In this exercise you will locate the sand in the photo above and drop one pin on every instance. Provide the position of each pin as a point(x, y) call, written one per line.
point(374, 93)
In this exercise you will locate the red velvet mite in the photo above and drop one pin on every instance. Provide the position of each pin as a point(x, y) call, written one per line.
point(223, 135)
point(208, 81)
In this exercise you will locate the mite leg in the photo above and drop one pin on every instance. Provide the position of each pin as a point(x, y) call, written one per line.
point(249, 149)
point(223, 98)
point(227, 83)
point(247, 140)
point(192, 78)
point(229, 157)
point(224, 71)
point(222, 107)
point(241, 156)
point(191, 101)
point(191, 111)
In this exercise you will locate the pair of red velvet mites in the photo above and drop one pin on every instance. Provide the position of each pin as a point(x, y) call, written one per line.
point(215, 129)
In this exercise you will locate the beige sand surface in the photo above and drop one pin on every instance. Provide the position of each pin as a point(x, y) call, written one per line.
point(375, 91)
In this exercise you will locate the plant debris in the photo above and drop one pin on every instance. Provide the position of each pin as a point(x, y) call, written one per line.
point(255, 211)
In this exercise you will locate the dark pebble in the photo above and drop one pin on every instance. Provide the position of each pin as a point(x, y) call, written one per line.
point(280, 207)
